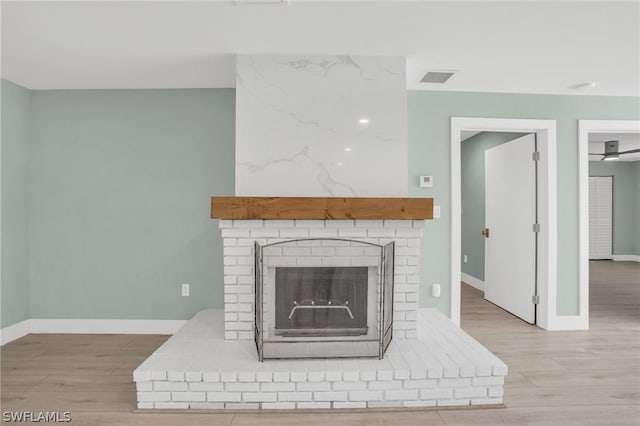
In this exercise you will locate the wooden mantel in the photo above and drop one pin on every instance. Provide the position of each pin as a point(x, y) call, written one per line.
point(321, 208)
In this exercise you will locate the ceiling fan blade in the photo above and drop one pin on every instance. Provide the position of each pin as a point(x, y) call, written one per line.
point(597, 153)
point(631, 151)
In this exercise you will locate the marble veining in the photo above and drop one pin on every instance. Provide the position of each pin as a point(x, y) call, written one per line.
point(321, 126)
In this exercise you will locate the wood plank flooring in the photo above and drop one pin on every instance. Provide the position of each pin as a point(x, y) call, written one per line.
point(555, 378)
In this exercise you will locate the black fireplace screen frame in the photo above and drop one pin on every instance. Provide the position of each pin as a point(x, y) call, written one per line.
point(385, 291)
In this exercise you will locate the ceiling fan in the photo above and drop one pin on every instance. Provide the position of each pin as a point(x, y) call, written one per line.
point(611, 151)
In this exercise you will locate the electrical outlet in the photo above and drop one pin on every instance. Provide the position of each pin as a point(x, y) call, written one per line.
point(465, 258)
point(185, 289)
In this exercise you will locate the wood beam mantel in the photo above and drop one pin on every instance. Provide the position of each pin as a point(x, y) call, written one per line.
point(321, 208)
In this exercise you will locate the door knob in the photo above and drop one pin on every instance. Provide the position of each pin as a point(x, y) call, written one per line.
point(485, 232)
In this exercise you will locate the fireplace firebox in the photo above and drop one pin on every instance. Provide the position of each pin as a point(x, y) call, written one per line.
point(323, 298)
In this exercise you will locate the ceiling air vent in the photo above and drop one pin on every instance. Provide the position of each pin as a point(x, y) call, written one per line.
point(436, 77)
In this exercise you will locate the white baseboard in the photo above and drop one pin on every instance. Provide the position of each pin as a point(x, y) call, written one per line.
point(626, 258)
point(14, 331)
point(472, 281)
point(89, 326)
point(568, 322)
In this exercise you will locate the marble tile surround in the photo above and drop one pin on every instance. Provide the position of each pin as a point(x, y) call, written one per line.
point(298, 130)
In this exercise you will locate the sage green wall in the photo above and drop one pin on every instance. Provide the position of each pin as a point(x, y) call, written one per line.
point(119, 199)
point(429, 115)
point(472, 191)
point(626, 196)
point(16, 105)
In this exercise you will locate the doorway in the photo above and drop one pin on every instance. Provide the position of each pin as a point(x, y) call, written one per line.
point(499, 197)
point(545, 269)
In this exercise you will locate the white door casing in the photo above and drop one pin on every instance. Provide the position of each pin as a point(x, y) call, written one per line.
point(510, 214)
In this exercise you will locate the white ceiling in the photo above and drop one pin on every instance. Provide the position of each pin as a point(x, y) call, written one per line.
point(627, 141)
point(525, 47)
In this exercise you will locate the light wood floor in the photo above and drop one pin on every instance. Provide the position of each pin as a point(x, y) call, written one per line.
point(555, 378)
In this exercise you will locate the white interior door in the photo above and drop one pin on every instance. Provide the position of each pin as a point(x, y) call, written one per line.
point(510, 214)
point(600, 217)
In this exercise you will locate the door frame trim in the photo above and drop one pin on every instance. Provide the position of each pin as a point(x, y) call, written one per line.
point(547, 209)
point(584, 128)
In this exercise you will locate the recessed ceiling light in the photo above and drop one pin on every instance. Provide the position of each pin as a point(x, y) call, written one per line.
point(339, 164)
point(363, 120)
point(348, 149)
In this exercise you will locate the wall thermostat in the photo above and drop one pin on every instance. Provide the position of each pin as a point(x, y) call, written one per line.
point(426, 181)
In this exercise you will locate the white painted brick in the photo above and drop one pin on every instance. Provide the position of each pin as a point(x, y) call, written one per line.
point(315, 376)
point(309, 261)
point(351, 375)
point(294, 396)
point(188, 396)
point(206, 386)
point(225, 223)
point(281, 261)
point(230, 260)
point(298, 376)
point(419, 384)
point(350, 251)
point(224, 396)
point(246, 316)
point(247, 376)
point(413, 260)
point(145, 405)
point(401, 395)
point(368, 375)
point(365, 395)
point(419, 403)
point(385, 375)
point(279, 223)
point(452, 402)
point(500, 370)
point(235, 233)
point(228, 376)
point(302, 223)
point(230, 316)
point(171, 405)
point(294, 233)
point(239, 288)
point(323, 233)
point(454, 383)
point(352, 233)
point(247, 280)
point(296, 251)
point(259, 397)
point(339, 223)
point(248, 223)
point(280, 376)
point(230, 299)
point(485, 401)
point(264, 376)
point(206, 405)
point(238, 270)
point(384, 404)
point(365, 223)
point(411, 297)
point(313, 405)
point(398, 223)
point(175, 376)
point(278, 387)
point(242, 405)
point(230, 279)
point(381, 232)
point(313, 386)
point(487, 381)
point(144, 386)
point(141, 376)
point(411, 334)
point(278, 405)
point(349, 386)
point(437, 393)
point(242, 387)
point(170, 386)
point(245, 335)
point(496, 391)
point(211, 376)
point(349, 404)
point(265, 233)
point(336, 261)
point(330, 396)
point(401, 374)
point(239, 326)
point(238, 307)
point(418, 223)
point(230, 242)
point(333, 375)
point(385, 385)
point(323, 251)
point(245, 260)
point(154, 396)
